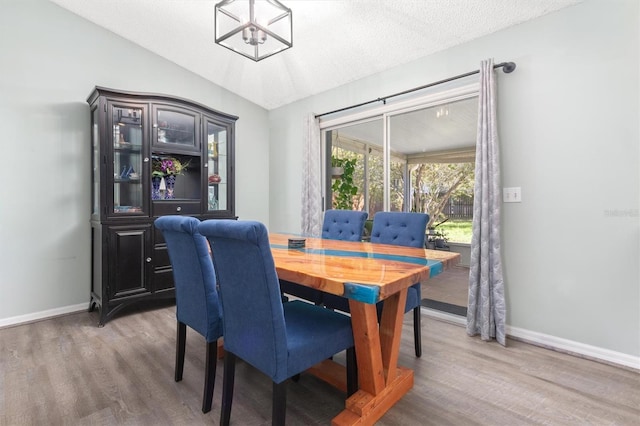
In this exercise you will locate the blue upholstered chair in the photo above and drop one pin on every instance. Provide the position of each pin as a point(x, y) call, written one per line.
point(197, 304)
point(279, 339)
point(404, 229)
point(347, 225)
point(401, 229)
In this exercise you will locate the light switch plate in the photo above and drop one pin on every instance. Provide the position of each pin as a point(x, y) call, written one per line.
point(512, 195)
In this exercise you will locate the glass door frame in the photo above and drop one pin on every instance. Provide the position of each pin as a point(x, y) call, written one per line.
point(228, 185)
point(109, 152)
point(385, 112)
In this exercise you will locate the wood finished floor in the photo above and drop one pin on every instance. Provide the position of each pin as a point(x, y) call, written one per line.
point(67, 371)
point(450, 287)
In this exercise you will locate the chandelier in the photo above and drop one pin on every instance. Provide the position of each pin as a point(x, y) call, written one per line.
point(255, 29)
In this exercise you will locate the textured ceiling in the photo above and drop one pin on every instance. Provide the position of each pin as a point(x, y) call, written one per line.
point(334, 41)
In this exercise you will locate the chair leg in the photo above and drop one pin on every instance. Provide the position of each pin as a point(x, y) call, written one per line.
point(417, 331)
point(352, 372)
point(209, 375)
point(181, 339)
point(279, 407)
point(227, 387)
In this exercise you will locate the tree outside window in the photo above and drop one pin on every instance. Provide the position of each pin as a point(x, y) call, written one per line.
point(445, 191)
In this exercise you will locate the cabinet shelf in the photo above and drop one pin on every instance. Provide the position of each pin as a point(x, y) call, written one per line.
point(125, 148)
point(127, 209)
point(169, 129)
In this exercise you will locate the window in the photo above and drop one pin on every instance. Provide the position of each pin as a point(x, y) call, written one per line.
point(417, 157)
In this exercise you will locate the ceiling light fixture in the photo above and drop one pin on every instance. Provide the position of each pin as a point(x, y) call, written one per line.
point(255, 29)
point(442, 112)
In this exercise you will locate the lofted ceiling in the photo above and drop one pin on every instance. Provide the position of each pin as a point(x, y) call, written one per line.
point(334, 41)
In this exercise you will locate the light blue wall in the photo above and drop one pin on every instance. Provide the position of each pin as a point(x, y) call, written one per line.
point(569, 137)
point(50, 60)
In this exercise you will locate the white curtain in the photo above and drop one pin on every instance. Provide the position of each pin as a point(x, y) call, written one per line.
point(487, 311)
point(312, 178)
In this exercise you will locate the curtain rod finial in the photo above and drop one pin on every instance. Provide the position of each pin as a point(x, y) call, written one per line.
point(509, 67)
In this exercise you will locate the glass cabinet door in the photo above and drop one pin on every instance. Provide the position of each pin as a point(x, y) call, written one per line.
point(176, 129)
point(95, 163)
point(127, 159)
point(217, 166)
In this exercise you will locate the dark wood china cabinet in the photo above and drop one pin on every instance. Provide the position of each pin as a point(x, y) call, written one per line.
point(152, 155)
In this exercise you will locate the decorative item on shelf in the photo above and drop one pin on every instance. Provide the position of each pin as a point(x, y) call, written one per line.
point(214, 178)
point(126, 172)
point(156, 177)
point(162, 132)
point(116, 134)
point(170, 181)
point(172, 166)
point(167, 168)
point(213, 201)
point(155, 187)
point(213, 149)
point(127, 209)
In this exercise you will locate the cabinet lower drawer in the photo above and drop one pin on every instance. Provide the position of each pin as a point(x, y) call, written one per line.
point(163, 208)
point(163, 279)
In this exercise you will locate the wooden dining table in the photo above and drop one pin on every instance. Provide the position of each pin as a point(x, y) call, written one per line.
point(365, 273)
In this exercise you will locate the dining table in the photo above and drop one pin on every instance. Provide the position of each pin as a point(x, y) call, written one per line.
point(365, 273)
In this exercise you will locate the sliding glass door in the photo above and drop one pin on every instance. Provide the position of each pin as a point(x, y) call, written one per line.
point(356, 180)
point(415, 158)
point(403, 160)
point(437, 143)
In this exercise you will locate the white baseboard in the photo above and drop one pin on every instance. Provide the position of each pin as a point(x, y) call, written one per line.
point(444, 316)
point(37, 316)
point(551, 342)
point(574, 348)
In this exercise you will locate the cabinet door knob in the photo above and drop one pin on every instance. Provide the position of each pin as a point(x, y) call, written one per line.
point(146, 159)
point(148, 260)
point(178, 209)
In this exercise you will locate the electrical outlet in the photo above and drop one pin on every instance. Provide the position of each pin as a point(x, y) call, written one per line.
point(511, 195)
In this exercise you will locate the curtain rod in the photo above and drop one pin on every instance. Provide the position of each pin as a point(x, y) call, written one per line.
point(507, 67)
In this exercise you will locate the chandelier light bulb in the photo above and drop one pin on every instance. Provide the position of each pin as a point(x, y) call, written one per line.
point(261, 36)
point(246, 35)
point(253, 36)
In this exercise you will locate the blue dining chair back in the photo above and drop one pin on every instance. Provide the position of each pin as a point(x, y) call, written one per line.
point(401, 229)
point(346, 225)
point(279, 339)
point(197, 304)
point(404, 229)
